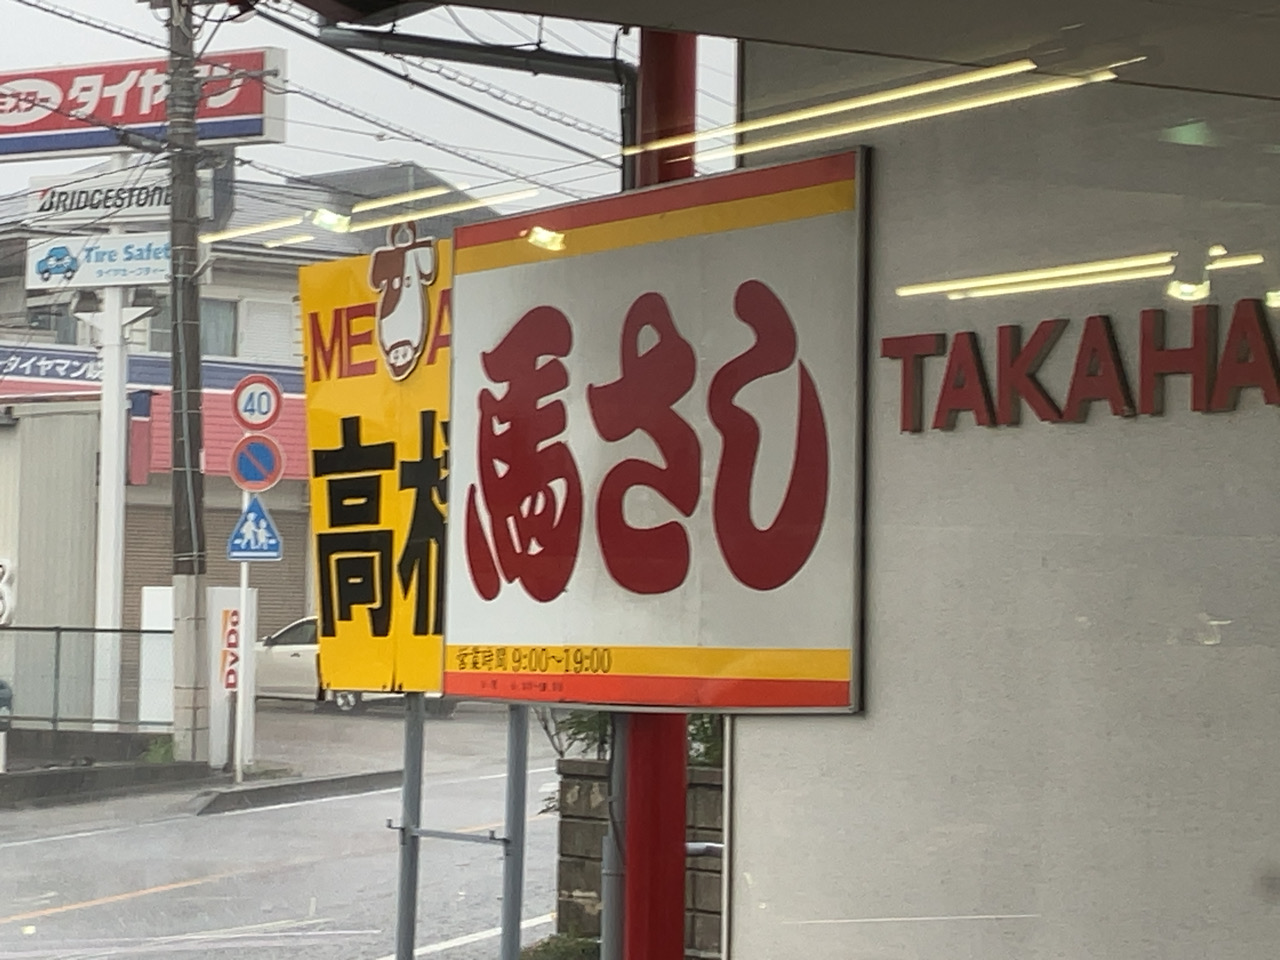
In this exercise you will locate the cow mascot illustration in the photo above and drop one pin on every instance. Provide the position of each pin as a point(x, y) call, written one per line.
point(401, 272)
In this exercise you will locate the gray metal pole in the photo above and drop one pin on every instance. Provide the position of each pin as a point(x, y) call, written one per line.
point(513, 850)
point(410, 821)
point(613, 868)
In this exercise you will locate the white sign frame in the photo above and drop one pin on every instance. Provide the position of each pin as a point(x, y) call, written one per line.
point(770, 641)
point(98, 260)
point(108, 198)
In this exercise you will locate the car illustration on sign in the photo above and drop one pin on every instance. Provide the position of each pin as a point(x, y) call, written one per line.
point(57, 262)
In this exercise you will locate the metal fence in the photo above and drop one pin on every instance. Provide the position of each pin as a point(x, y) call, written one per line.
point(52, 673)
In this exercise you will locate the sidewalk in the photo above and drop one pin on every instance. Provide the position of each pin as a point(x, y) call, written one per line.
point(324, 743)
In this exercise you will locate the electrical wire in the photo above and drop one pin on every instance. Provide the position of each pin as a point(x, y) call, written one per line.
point(543, 28)
point(137, 170)
point(94, 175)
point(372, 120)
point(509, 97)
point(291, 87)
point(452, 15)
point(528, 40)
point(93, 22)
point(442, 94)
point(583, 25)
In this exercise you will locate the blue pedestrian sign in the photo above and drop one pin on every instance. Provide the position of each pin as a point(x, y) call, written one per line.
point(255, 536)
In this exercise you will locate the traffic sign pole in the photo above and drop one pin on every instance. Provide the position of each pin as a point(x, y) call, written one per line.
point(257, 464)
point(245, 699)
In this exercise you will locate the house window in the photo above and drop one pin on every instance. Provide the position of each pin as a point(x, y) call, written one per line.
point(217, 328)
point(56, 317)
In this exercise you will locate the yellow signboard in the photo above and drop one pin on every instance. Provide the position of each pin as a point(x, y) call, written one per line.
point(376, 332)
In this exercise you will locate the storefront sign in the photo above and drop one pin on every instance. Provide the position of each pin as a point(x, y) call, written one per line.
point(376, 332)
point(81, 109)
point(69, 367)
point(230, 660)
point(656, 476)
point(103, 260)
point(1100, 376)
point(121, 196)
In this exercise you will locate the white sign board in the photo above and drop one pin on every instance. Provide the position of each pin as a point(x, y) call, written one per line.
point(654, 471)
point(222, 616)
point(110, 197)
point(256, 402)
point(102, 260)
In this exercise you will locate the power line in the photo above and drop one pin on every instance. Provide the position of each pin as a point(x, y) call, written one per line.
point(543, 28)
point(412, 135)
point(510, 26)
point(583, 25)
point(104, 26)
point(452, 15)
point(444, 95)
point(315, 96)
point(136, 171)
point(509, 97)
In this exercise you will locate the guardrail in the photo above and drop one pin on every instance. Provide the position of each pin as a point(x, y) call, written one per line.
point(52, 672)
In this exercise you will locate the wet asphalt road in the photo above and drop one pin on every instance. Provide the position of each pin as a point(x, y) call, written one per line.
point(143, 877)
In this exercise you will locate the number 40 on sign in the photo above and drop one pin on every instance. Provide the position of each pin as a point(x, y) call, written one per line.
point(257, 402)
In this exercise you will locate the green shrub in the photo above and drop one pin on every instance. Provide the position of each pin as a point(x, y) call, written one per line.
point(588, 731)
point(562, 947)
point(159, 750)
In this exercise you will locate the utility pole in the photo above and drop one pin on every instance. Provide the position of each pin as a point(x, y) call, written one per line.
point(190, 653)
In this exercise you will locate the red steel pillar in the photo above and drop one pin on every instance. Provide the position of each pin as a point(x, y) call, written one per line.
point(656, 775)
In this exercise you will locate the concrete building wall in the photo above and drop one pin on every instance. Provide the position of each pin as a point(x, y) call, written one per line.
point(1072, 631)
point(48, 512)
point(59, 512)
point(9, 510)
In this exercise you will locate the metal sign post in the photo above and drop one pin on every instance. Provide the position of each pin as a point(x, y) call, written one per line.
point(513, 851)
point(257, 464)
point(410, 826)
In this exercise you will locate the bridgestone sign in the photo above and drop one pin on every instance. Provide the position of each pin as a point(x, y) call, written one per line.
point(124, 196)
point(124, 199)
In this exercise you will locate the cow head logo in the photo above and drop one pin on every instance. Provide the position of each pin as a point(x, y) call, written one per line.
point(401, 272)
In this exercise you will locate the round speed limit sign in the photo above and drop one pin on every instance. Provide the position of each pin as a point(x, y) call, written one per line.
point(256, 402)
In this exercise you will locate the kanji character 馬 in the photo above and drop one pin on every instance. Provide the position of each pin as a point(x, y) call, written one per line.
point(529, 486)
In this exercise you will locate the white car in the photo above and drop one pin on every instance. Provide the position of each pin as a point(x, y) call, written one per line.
point(287, 667)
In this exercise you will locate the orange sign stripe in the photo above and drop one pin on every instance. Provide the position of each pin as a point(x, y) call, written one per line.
point(719, 693)
point(816, 201)
point(668, 198)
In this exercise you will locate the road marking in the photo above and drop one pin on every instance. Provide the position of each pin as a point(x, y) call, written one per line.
point(79, 834)
point(114, 898)
point(498, 776)
point(184, 884)
point(964, 916)
point(478, 937)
